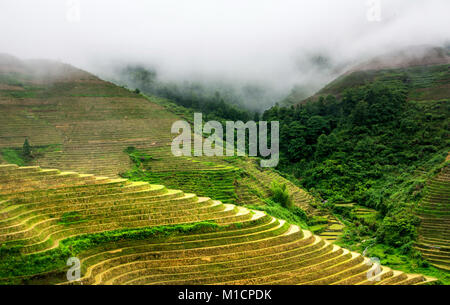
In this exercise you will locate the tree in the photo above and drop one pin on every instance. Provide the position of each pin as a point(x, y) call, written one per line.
point(256, 116)
point(360, 113)
point(26, 149)
point(316, 125)
point(280, 194)
point(326, 145)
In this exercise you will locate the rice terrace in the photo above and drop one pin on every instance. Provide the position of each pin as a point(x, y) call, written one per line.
point(119, 171)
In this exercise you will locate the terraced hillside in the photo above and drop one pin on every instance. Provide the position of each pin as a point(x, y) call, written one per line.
point(76, 121)
point(434, 230)
point(259, 181)
point(333, 229)
point(136, 233)
point(92, 120)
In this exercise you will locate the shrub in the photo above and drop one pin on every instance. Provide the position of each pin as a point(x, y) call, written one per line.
point(398, 229)
point(138, 158)
point(280, 194)
point(13, 156)
point(293, 215)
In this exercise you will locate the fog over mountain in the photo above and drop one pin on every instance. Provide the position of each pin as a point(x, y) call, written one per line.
point(275, 45)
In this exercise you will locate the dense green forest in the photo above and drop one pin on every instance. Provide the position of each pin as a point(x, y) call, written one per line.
point(366, 148)
point(342, 148)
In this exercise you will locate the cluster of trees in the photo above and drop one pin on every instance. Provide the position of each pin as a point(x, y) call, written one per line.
point(213, 104)
point(340, 147)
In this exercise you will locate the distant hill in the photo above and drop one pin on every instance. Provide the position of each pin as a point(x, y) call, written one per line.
point(407, 58)
point(424, 69)
point(38, 71)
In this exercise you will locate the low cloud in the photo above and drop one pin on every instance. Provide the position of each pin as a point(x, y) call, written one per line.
point(274, 44)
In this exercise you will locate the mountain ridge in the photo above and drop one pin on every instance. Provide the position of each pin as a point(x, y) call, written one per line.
point(407, 62)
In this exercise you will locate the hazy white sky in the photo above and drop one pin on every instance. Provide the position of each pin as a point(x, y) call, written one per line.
point(257, 40)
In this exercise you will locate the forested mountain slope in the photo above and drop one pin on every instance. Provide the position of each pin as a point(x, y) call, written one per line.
point(372, 139)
